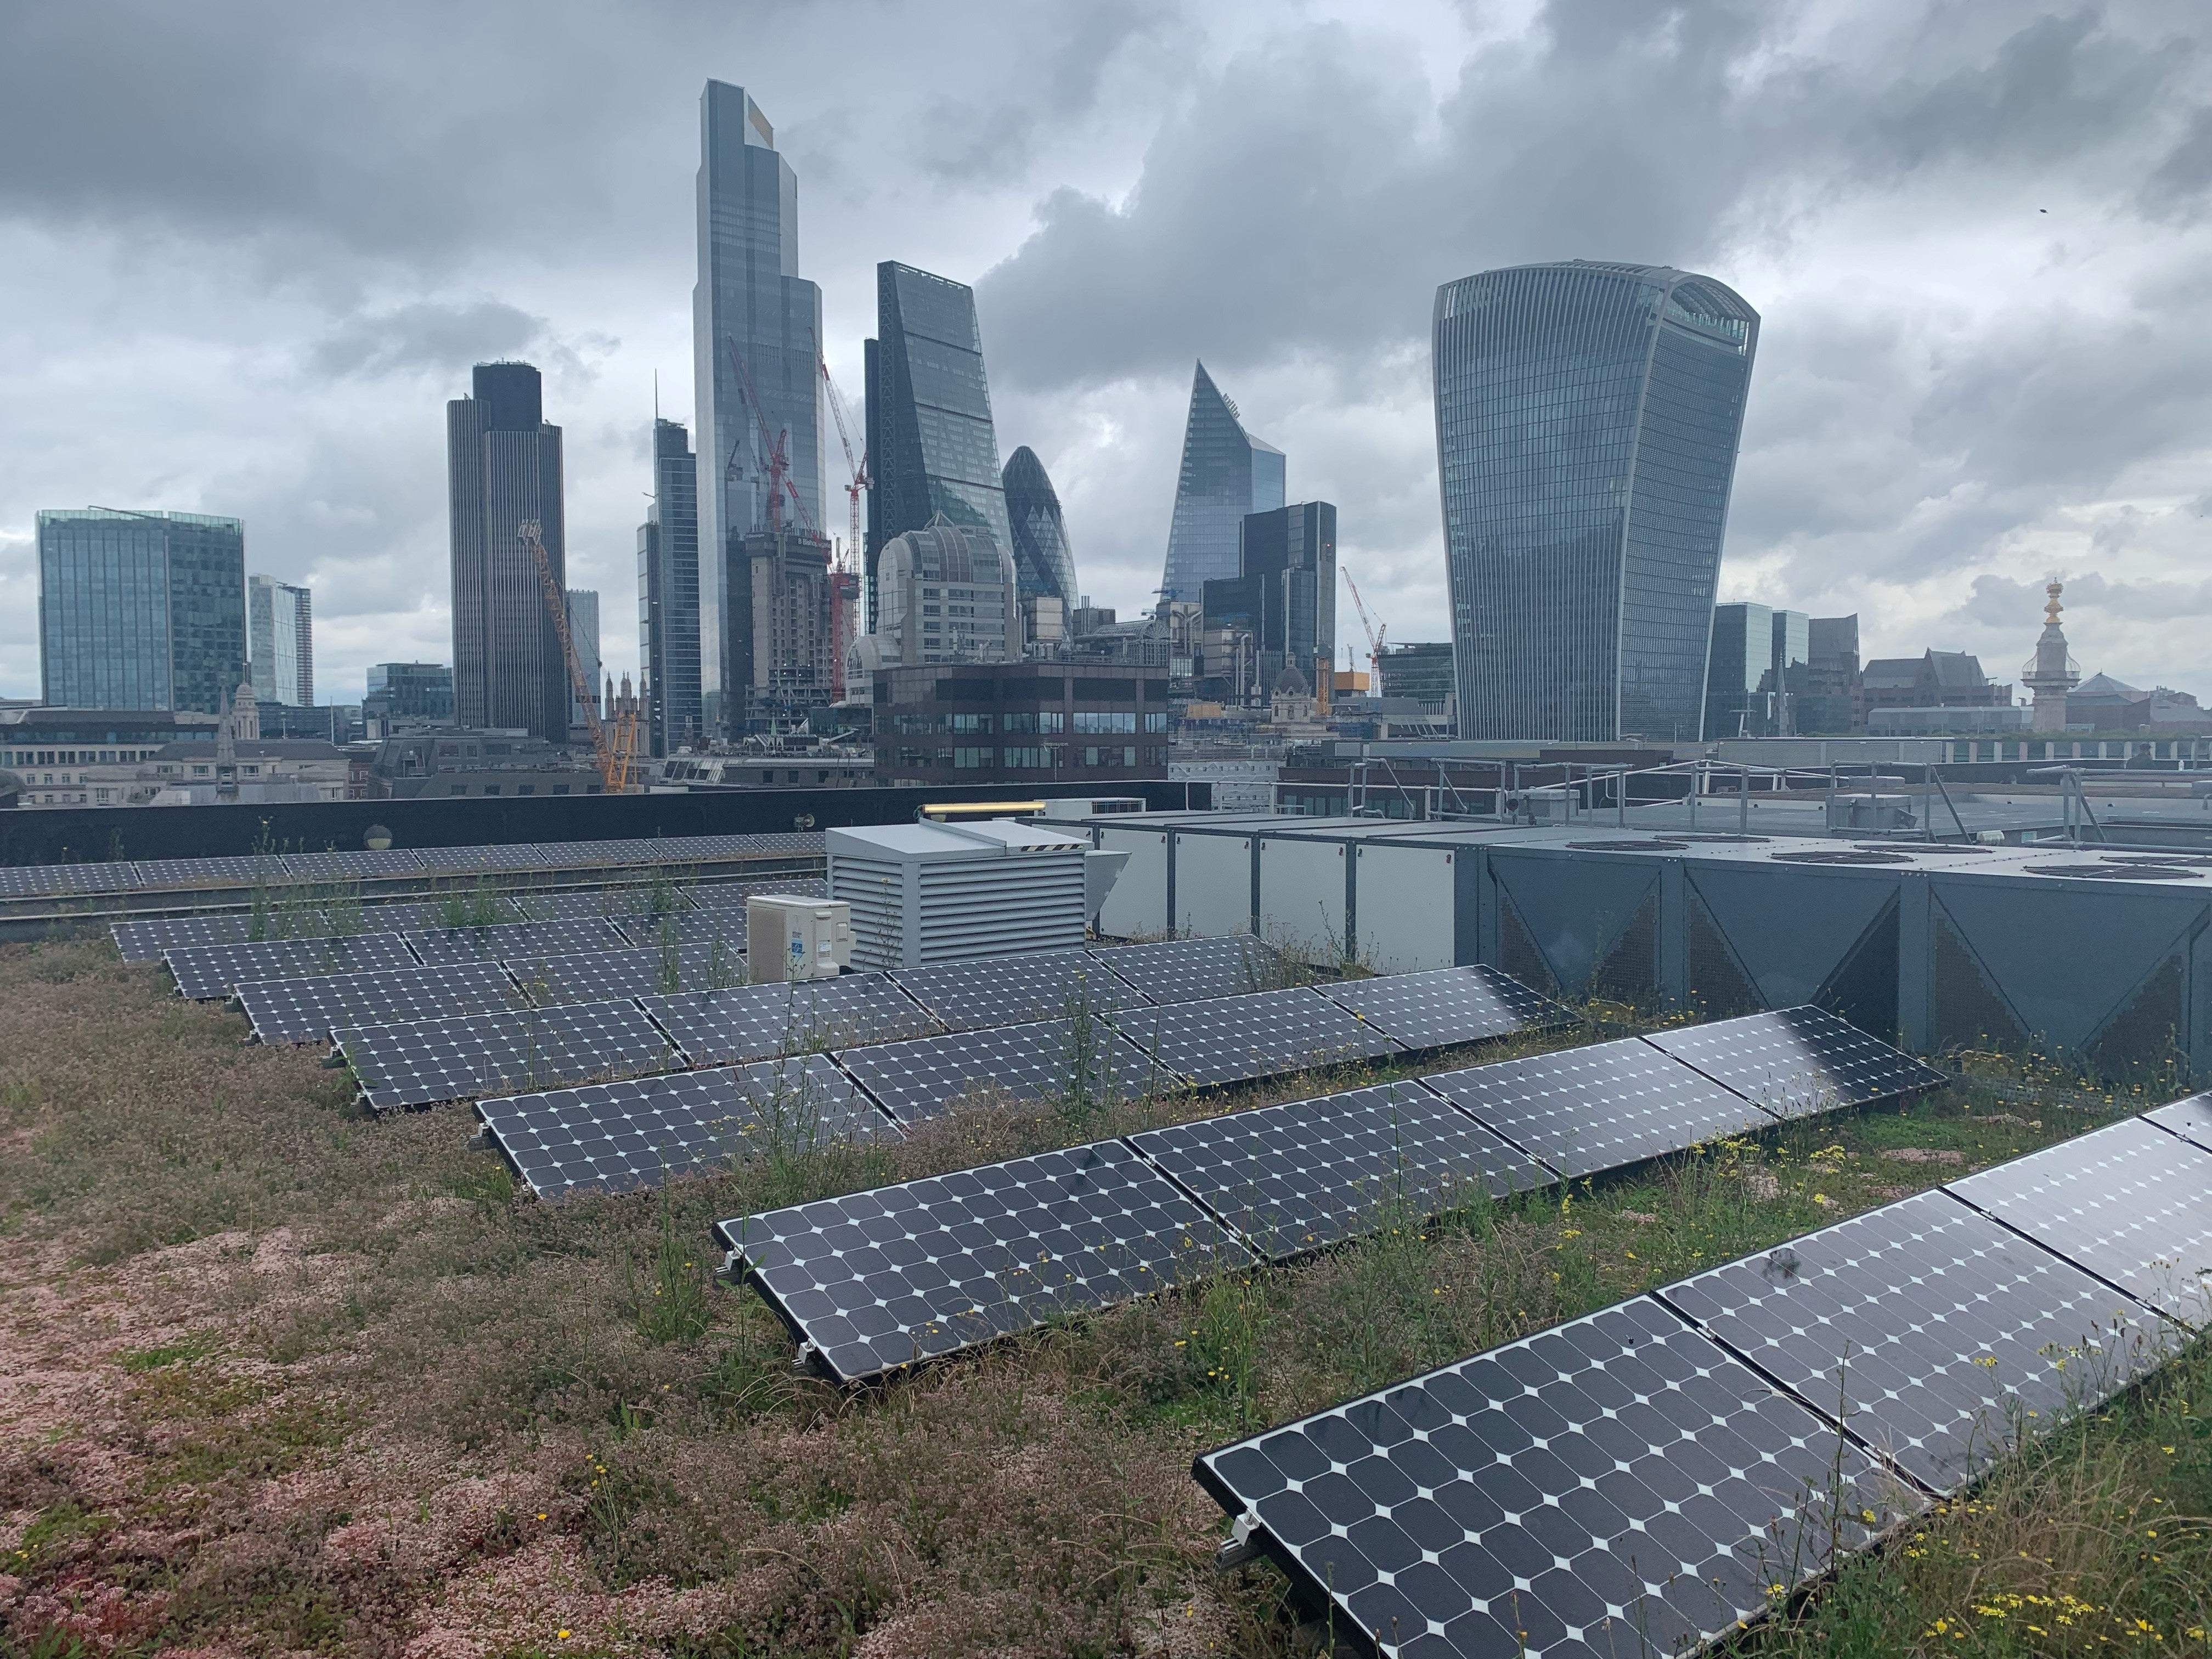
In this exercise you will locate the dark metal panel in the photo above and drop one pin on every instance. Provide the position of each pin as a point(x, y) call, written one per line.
point(1576, 909)
point(1791, 928)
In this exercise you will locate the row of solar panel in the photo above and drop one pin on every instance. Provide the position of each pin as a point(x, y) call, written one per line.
point(876, 1280)
point(42, 880)
point(1644, 1480)
point(1149, 991)
point(629, 902)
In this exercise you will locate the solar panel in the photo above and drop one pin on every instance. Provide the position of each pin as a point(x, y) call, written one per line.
point(211, 873)
point(879, 1280)
point(690, 927)
point(642, 970)
point(723, 847)
point(1798, 1063)
point(582, 903)
point(1047, 1059)
point(523, 856)
point(1446, 1005)
point(309, 1009)
point(1191, 970)
point(354, 866)
point(421, 1062)
point(2191, 1118)
point(44, 880)
point(1599, 1107)
point(207, 972)
point(518, 938)
point(618, 1137)
point(1932, 1331)
point(719, 895)
point(1307, 1173)
point(143, 941)
point(1619, 1485)
point(1264, 1034)
point(756, 1022)
point(2127, 1202)
point(1015, 990)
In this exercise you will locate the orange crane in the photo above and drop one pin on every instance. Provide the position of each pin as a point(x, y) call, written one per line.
point(1374, 634)
point(614, 752)
point(772, 447)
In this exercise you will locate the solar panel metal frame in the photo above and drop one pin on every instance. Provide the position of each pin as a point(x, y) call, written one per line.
point(1301, 1175)
point(873, 1281)
point(1193, 970)
point(1602, 1106)
point(504, 940)
point(1928, 1329)
point(293, 1010)
point(2190, 1117)
point(638, 1133)
point(759, 1022)
point(1798, 1063)
point(1618, 1484)
point(1443, 1007)
point(2128, 1203)
point(209, 973)
point(985, 991)
point(920, 1078)
point(428, 1062)
point(1232, 1039)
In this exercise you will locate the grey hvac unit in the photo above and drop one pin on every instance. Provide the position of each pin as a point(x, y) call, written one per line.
point(938, 892)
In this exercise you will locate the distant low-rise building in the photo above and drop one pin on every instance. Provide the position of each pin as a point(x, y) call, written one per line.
point(474, 761)
point(1935, 679)
point(2101, 703)
point(1021, 722)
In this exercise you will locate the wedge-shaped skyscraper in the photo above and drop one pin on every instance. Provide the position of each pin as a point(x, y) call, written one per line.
point(931, 442)
point(1587, 415)
point(1043, 561)
point(755, 328)
point(1226, 474)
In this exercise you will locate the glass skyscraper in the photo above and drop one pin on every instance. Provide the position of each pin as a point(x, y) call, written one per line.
point(280, 634)
point(1043, 561)
point(140, 611)
point(753, 319)
point(1227, 473)
point(1588, 416)
point(668, 592)
point(932, 447)
point(503, 468)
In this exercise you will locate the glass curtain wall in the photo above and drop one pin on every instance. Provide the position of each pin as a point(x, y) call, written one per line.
point(1226, 474)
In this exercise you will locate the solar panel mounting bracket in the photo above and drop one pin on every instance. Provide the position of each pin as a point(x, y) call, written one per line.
point(1241, 1548)
point(802, 1360)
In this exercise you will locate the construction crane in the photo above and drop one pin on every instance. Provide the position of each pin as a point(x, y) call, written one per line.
point(614, 752)
point(1374, 634)
point(772, 446)
point(844, 580)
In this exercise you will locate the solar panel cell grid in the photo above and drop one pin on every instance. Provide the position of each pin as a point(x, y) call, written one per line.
point(518, 938)
point(1051, 1059)
point(877, 1280)
point(1193, 970)
point(143, 941)
point(1294, 1177)
point(210, 872)
point(757, 1022)
point(207, 972)
point(309, 1009)
point(733, 894)
point(423, 1062)
point(642, 971)
point(690, 927)
point(523, 856)
point(42, 880)
point(1446, 1005)
point(1601, 1106)
point(1798, 1063)
point(1260, 1035)
point(1014, 990)
point(2127, 1202)
point(1617, 1485)
point(1932, 1330)
point(618, 1137)
point(2190, 1118)
point(354, 866)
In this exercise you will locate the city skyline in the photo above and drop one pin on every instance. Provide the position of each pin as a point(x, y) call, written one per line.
point(1976, 370)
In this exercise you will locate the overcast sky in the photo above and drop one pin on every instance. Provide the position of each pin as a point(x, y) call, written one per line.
point(247, 252)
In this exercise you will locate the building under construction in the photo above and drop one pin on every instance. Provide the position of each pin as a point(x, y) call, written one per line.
point(783, 622)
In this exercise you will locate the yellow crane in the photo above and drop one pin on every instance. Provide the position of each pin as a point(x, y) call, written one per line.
point(614, 751)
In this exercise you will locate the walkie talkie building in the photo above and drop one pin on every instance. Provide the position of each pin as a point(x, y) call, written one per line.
point(1588, 416)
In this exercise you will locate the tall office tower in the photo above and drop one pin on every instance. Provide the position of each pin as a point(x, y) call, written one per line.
point(931, 444)
point(668, 592)
point(280, 634)
point(503, 468)
point(1832, 676)
point(1040, 533)
point(584, 633)
point(755, 328)
point(1790, 673)
point(1587, 421)
point(140, 610)
point(409, 690)
point(1226, 474)
point(1285, 593)
point(1737, 670)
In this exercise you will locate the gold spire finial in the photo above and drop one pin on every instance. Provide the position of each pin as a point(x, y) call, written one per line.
point(2050, 606)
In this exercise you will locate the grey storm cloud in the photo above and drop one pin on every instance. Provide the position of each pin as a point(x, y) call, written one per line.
point(425, 337)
